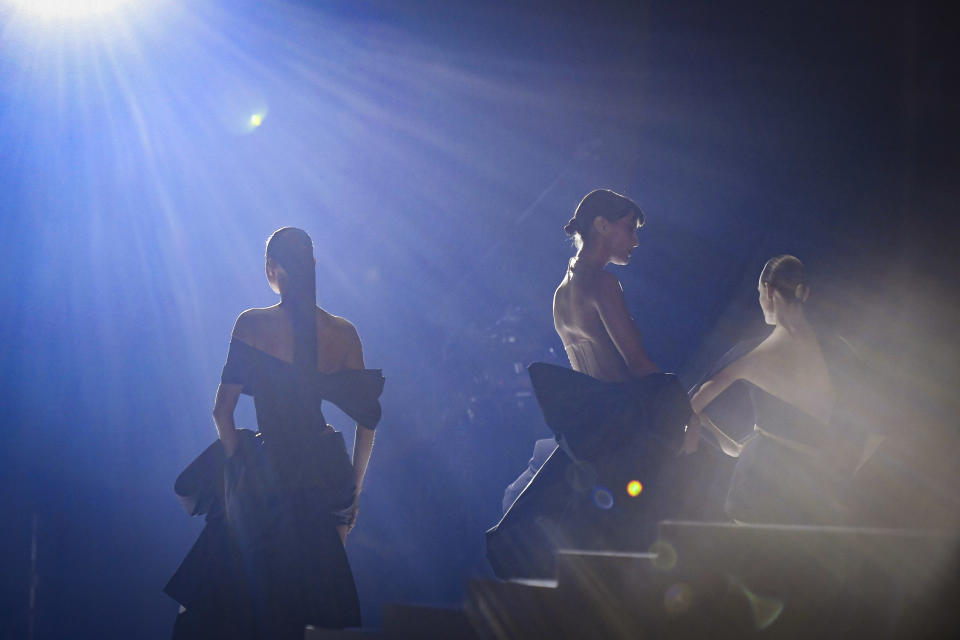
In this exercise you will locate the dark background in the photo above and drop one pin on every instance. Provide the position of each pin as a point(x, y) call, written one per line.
point(434, 151)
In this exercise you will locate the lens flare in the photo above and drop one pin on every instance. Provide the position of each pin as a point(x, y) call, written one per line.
point(678, 598)
point(602, 498)
point(634, 487)
point(665, 556)
point(248, 123)
point(765, 610)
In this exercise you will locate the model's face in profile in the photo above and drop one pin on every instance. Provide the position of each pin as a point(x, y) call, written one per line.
point(765, 292)
point(622, 236)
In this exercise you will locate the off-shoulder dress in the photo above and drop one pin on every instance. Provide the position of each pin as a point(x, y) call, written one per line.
point(269, 560)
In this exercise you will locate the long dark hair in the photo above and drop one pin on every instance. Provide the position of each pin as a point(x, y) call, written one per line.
point(292, 249)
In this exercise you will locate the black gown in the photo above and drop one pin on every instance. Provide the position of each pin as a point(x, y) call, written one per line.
point(794, 469)
point(609, 434)
point(269, 560)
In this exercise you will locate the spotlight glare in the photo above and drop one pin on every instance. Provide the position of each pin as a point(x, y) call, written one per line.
point(634, 487)
point(67, 9)
point(256, 120)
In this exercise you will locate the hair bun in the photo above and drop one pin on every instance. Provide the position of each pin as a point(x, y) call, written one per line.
point(572, 227)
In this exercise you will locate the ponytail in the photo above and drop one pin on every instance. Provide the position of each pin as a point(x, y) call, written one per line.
point(292, 249)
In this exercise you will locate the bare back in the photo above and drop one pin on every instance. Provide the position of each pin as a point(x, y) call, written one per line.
point(792, 368)
point(271, 330)
point(789, 366)
point(577, 320)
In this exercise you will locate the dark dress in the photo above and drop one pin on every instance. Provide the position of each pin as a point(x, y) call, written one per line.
point(794, 469)
point(269, 560)
point(608, 435)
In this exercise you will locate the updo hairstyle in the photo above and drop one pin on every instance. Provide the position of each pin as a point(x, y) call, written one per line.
point(600, 202)
point(785, 274)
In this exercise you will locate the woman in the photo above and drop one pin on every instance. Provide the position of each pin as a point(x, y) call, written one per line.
point(589, 311)
point(279, 504)
point(787, 472)
point(615, 416)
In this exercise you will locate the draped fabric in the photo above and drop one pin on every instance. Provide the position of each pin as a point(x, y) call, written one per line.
point(609, 434)
point(269, 560)
point(794, 469)
point(355, 391)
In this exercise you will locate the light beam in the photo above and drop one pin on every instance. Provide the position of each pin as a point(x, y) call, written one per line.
point(67, 9)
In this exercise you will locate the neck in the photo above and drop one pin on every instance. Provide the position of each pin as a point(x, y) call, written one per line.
point(591, 257)
point(793, 321)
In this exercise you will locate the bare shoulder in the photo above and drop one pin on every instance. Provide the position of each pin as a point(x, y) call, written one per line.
point(607, 281)
point(605, 287)
point(594, 283)
point(772, 345)
point(251, 323)
point(560, 287)
point(340, 330)
point(343, 334)
point(561, 291)
point(758, 363)
point(336, 325)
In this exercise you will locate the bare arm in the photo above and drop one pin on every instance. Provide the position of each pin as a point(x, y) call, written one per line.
point(620, 327)
point(228, 394)
point(727, 444)
point(363, 443)
point(223, 406)
point(363, 438)
point(742, 369)
point(709, 390)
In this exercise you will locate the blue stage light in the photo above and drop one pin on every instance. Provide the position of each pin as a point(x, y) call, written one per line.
point(68, 9)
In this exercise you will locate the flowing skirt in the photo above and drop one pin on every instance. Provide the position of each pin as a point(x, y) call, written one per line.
point(269, 561)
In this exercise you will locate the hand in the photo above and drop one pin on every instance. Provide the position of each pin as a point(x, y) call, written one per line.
point(343, 530)
point(354, 510)
point(730, 447)
point(691, 438)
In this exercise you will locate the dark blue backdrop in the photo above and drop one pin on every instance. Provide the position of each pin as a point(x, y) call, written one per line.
point(434, 151)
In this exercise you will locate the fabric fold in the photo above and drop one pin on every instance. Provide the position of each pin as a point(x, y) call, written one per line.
point(609, 433)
